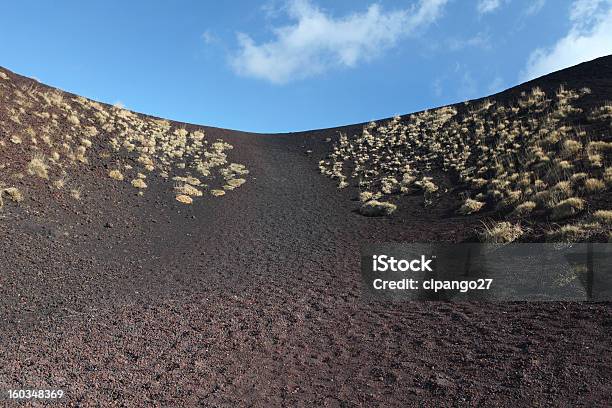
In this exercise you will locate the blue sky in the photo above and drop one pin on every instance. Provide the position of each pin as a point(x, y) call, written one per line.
point(287, 65)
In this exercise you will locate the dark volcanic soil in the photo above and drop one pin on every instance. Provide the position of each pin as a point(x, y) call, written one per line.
point(254, 299)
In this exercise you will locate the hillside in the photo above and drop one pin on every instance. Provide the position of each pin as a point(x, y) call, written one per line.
point(153, 262)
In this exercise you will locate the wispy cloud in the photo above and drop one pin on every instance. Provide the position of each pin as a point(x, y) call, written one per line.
point(488, 6)
point(496, 85)
point(535, 7)
point(468, 87)
point(480, 40)
point(589, 37)
point(209, 37)
point(316, 41)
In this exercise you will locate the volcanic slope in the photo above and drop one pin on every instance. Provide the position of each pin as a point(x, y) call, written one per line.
point(149, 262)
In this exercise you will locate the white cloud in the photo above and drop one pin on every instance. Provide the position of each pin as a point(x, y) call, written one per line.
point(488, 6)
point(317, 41)
point(589, 37)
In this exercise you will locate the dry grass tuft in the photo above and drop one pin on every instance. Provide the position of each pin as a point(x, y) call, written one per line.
point(139, 183)
point(75, 193)
point(14, 194)
point(524, 209)
point(365, 196)
point(604, 216)
point(234, 183)
point(374, 208)
point(608, 176)
point(59, 183)
point(594, 185)
point(572, 147)
point(185, 199)
point(470, 206)
point(188, 190)
point(73, 120)
point(501, 233)
point(567, 208)
point(566, 233)
point(573, 233)
point(38, 167)
point(116, 175)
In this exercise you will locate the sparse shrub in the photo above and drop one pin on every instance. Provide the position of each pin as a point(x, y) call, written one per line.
point(604, 216)
point(563, 189)
point(573, 233)
point(374, 208)
point(594, 160)
point(389, 185)
point(116, 175)
point(235, 183)
point(59, 183)
point(506, 155)
point(512, 197)
point(185, 199)
point(365, 196)
point(14, 193)
point(593, 185)
point(139, 183)
point(37, 167)
point(73, 119)
point(578, 178)
point(188, 190)
point(470, 206)
point(572, 147)
point(429, 186)
point(524, 209)
point(608, 176)
point(564, 165)
point(153, 143)
point(543, 198)
point(599, 147)
point(501, 233)
point(566, 233)
point(192, 180)
point(601, 113)
point(567, 208)
point(478, 183)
